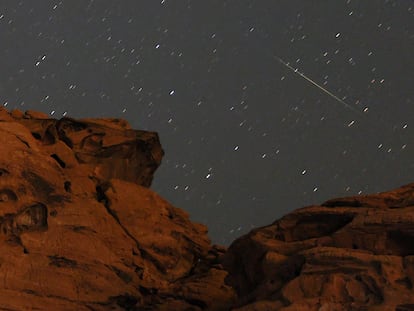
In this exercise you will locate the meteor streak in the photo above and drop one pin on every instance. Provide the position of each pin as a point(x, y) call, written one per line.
point(317, 85)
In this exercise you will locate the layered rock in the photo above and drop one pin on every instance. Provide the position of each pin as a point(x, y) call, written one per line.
point(80, 230)
point(347, 254)
point(104, 148)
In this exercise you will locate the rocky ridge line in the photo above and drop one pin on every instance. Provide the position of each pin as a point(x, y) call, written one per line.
point(81, 230)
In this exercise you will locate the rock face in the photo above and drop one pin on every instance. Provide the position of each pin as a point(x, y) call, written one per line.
point(347, 254)
point(81, 230)
point(104, 148)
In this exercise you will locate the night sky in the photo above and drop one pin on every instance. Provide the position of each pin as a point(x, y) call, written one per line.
point(247, 139)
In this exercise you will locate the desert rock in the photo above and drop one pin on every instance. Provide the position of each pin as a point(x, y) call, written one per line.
point(352, 253)
point(80, 229)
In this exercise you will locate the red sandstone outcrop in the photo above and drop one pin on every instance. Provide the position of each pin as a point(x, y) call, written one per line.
point(104, 148)
point(347, 254)
point(80, 230)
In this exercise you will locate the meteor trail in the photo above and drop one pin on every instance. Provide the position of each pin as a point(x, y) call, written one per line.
point(317, 85)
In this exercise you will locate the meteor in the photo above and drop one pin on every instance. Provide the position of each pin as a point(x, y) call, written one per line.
point(317, 85)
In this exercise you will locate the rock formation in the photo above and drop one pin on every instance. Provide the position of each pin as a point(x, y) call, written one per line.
point(81, 230)
point(347, 254)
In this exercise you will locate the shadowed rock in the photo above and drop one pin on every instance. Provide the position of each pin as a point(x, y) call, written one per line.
point(347, 254)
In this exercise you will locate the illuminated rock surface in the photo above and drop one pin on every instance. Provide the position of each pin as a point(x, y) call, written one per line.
point(81, 230)
point(346, 254)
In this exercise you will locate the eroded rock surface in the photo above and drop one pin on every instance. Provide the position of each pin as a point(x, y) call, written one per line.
point(104, 148)
point(80, 230)
point(347, 254)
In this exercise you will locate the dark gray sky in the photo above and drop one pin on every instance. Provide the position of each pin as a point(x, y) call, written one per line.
point(246, 138)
